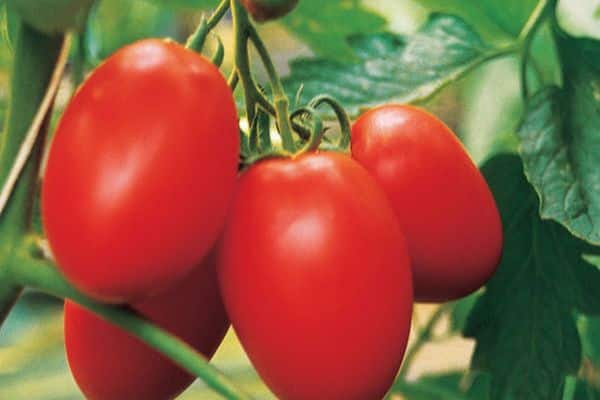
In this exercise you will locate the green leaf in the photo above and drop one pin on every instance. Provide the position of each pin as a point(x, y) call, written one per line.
point(492, 16)
point(460, 312)
point(325, 25)
point(450, 386)
point(52, 16)
point(579, 18)
point(590, 337)
point(586, 391)
point(523, 324)
point(560, 145)
point(392, 67)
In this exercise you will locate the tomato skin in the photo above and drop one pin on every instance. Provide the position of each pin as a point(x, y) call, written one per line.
point(266, 10)
point(109, 364)
point(446, 210)
point(141, 171)
point(316, 279)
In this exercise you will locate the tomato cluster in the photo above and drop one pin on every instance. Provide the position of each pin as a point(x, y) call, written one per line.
point(318, 257)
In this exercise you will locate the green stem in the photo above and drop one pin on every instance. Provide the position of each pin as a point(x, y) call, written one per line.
point(198, 38)
point(244, 31)
point(341, 115)
point(526, 36)
point(423, 337)
point(252, 94)
point(280, 99)
point(42, 275)
point(33, 66)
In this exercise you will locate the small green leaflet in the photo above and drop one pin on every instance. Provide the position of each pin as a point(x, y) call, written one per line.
point(560, 142)
point(523, 324)
point(392, 67)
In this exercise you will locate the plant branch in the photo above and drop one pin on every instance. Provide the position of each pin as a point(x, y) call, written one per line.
point(42, 275)
point(423, 337)
point(525, 38)
point(198, 38)
point(19, 142)
point(280, 98)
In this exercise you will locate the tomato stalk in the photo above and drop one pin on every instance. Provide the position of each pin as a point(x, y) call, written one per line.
point(253, 96)
point(197, 40)
point(34, 60)
point(280, 99)
point(36, 67)
point(42, 275)
point(526, 36)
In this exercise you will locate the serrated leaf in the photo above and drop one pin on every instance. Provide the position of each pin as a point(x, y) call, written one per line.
point(324, 25)
point(560, 144)
point(523, 324)
point(392, 67)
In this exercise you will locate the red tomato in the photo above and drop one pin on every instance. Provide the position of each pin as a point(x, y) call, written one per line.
point(265, 10)
point(442, 201)
point(141, 172)
point(316, 278)
point(109, 364)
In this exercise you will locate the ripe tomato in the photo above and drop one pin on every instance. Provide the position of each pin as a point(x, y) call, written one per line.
point(316, 278)
point(141, 171)
point(109, 364)
point(443, 203)
point(265, 10)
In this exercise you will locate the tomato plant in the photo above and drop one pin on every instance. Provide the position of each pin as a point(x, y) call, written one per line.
point(322, 291)
point(139, 175)
point(108, 363)
point(337, 202)
point(444, 205)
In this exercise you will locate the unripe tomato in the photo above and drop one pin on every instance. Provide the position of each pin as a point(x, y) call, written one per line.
point(442, 201)
point(265, 10)
point(109, 364)
point(141, 171)
point(316, 278)
point(52, 16)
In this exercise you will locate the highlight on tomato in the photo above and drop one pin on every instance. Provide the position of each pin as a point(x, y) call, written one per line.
point(316, 279)
point(141, 171)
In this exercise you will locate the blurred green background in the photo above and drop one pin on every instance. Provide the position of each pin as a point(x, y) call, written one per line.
point(483, 108)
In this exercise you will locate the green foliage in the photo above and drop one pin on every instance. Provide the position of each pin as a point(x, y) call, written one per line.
point(116, 23)
point(524, 327)
point(451, 386)
point(497, 19)
point(324, 25)
point(186, 4)
point(52, 16)
point(392, 67)
point(560, 145)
